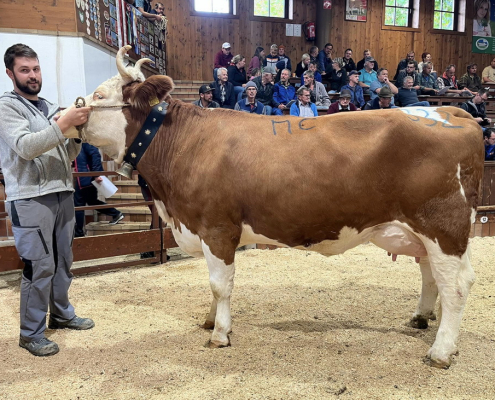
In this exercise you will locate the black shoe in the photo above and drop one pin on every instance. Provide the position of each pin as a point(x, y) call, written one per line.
point(41, 347)
point(76, 323)
point(148, 254)
point(115, 220)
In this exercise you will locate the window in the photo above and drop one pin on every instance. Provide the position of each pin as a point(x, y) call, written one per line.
point(214, 6)
point(398, 13)
point(271, 8)
point(444, 15)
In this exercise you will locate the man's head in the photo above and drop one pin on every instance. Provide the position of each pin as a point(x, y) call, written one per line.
point(281, 50)
point(159, 8)
point(222, 75)
point(206, 93)
point(410, 56)
point(348, 54)
point(427, 67)
point(450, 71)
point(408, 82)
point(268, 73)
point(328, 49)
point(489, 137)
point(472, 69)
point(313, 66)
point(23, 68)
point(481, 96)
point(273, 50)
point(285, 75)
point(345, 98)
point(354, 77)
point(410, 68)
point(304, 95)
point(226, 48)
point(313, 51)
point(385, 97)
point(369, 63)
point(366, 53)
point(382, 74)
point(309, 78)
point(251, 90)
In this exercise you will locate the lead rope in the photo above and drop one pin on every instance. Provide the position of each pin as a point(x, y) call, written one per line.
point(80, 102)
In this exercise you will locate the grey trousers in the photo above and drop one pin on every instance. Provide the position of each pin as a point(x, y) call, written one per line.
point(43, 230)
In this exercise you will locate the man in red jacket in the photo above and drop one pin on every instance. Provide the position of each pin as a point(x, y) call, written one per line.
point(344, 103)
point(222, 59)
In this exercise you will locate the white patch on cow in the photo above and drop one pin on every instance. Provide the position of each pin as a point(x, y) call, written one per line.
point(425, 112)
point(249, 237)
point(473, 216)
point(348, 239)
point(463, 193)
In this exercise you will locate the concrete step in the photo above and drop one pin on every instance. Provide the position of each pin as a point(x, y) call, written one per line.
point(103, 228)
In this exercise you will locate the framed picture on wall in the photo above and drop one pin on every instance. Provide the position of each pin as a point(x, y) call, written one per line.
point(356, 10)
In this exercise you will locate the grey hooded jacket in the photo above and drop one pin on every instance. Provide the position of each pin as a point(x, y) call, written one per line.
point(34, 154)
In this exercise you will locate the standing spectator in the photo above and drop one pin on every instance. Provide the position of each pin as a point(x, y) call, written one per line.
point(338, 77)
point(145, 7)
point(319, 95)
point(448, 80)
point(348, 62)
point(426, 59)
point(409, 71)
point(303, 66)
point(360, 64)
point(476, 107)
point(272, 58)
point(265, 91)
point(206, 98)
point(40, 207)
point(249, 104)
point(344, 104)
point(284, 57)
point(224, 93)
point(488, 73)
point(237, 75)
point(303, 106)
point(357, 97)
point(380, 83)
point(325, 58)
point(481, 22)
point(313, 67)
point(159, 9)
point(256, 61)
point(489, 140)
point(408, 96)
point(470, 79)
point(427, 83)
point(283, 92)
point(383, 101)
point(368, 74)
point(222, 59)
point(89, 159)
point(403, 63)
point(313, 53)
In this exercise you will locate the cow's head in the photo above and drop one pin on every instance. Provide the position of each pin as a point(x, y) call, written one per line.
point(106, 124)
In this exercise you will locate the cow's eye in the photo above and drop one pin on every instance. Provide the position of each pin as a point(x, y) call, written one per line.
point(97, 96)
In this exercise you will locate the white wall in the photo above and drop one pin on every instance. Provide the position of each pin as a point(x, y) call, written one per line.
point(70, 66)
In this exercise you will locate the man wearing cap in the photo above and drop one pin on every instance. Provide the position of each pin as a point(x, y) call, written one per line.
point(283, 57)
point(403, 63)
point(224, 93)
point(368, 74)
point(265, 91)
point(383, 100)
point(206, 98)
point(283, 92)
point(360, 64)
point(344, 104)
point(303, 106)
point(381, 82)
point(249, 104)
point(222, 59)
point(357, 97)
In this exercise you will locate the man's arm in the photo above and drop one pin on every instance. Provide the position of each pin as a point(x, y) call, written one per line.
point(486, 76)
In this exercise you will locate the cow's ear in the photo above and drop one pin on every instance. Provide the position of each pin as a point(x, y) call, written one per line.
point(155, 88)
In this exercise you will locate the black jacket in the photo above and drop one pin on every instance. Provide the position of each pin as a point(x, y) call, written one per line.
point(229, 101)
point(265, 93)
point(236, 76)
point(89, 159)
point(338, 79)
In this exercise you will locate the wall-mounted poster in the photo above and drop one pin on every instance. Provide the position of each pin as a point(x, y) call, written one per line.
point(484, 27)
point(356, 10)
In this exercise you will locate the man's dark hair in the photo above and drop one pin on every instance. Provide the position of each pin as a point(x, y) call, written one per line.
point(482, 91)
point(346, 50)
point(328, 44)
point(315, 63)
point(17, 50)
point(381, 70)
point(488, 132)
point(411, 63)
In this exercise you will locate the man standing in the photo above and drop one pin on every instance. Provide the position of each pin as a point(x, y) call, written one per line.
point(224, 90)
point(249, 104)
point(303, 106)
point(488, 73)
point(368, 74)
point(403, 63)
point(357, 97)
point(325, 59)
point(476, 107)
point(38, 182)
point(283, 92)
point(408, 96)
point(409, 71)
point(222, 59)
point(206, 98)
point(344, 104)
point(380, 83)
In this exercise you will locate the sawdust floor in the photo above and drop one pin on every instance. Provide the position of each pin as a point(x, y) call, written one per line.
point(304, 327)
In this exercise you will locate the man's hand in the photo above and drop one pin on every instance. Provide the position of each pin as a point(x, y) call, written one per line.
point(281, 106)
point(478, 120)
point(74, 117)
point(98, 179)
point(417, 87)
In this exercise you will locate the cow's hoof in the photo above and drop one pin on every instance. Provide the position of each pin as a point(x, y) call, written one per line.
point(208, 325)
point(212, 344)
point(418, 322)
point(437, 363)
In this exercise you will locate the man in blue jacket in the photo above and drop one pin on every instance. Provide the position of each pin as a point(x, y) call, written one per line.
point(250, 104)
point(303, 106)
point(283, 92)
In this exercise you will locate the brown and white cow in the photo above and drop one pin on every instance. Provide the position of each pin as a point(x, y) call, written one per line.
point(404, 179)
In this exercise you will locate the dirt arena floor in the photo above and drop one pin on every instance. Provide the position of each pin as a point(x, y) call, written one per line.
point(304, 327)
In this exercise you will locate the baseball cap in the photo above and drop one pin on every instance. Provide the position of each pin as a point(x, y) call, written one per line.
point(354, 72)
point(369, 59)
point(226, 45)
point(269, 70)
point(385, 92)
point(281, 47)
point(345, 93)
point(205, 89)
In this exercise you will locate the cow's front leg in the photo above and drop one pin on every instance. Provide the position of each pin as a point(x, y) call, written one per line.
point(221, 282)
point(429, 292)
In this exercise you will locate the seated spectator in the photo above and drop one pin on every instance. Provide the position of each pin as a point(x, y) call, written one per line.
point(476, 107)
point(222, 59)
point(283, 92)
point(303, 106)
point(265, 91)
point(224, 93)
point(409, 71)
point(489, 140)
point(383, 101)
point(427, 82)
point(279, 68)
point(283, 57)
point(357, 97)
point(303, 66)
point(256, 61)
point(380, 83)
point(426, 59)
point(255, 72)
point(313, 53)
point(313, 67)
point(319, 94)
point(488, 73)
point(344, 104)
point(85, 192)
point(145, 7)
point(206, 98)
point(403, 63)
point(325, 58)
point(272, 58)
point(408, 95)
point(237, 75)
point(470, 79)
point(368, 74)
point(159, 9)
point(360, 64)
point(448, 80)
point(338, 77)
point(347, 62)
point(250, 104)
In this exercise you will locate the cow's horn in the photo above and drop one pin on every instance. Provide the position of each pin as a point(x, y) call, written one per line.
point(120, 62)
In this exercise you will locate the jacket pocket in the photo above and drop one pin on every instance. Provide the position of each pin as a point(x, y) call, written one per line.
point(41, 171)
point(30, 243)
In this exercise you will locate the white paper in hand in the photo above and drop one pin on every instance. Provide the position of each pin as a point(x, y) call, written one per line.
point(106, 187)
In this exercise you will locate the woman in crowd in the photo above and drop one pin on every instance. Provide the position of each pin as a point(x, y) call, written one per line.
point(303, 65)
point(338, 76)
point(256, 61)
point(237, 75)
point(426, 59)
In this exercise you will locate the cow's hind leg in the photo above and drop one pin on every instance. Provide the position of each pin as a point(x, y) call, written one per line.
point(429, 292)
point(454, 277)
point(221, 282)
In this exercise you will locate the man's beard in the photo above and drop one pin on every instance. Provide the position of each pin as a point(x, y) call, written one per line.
point(25, 88)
